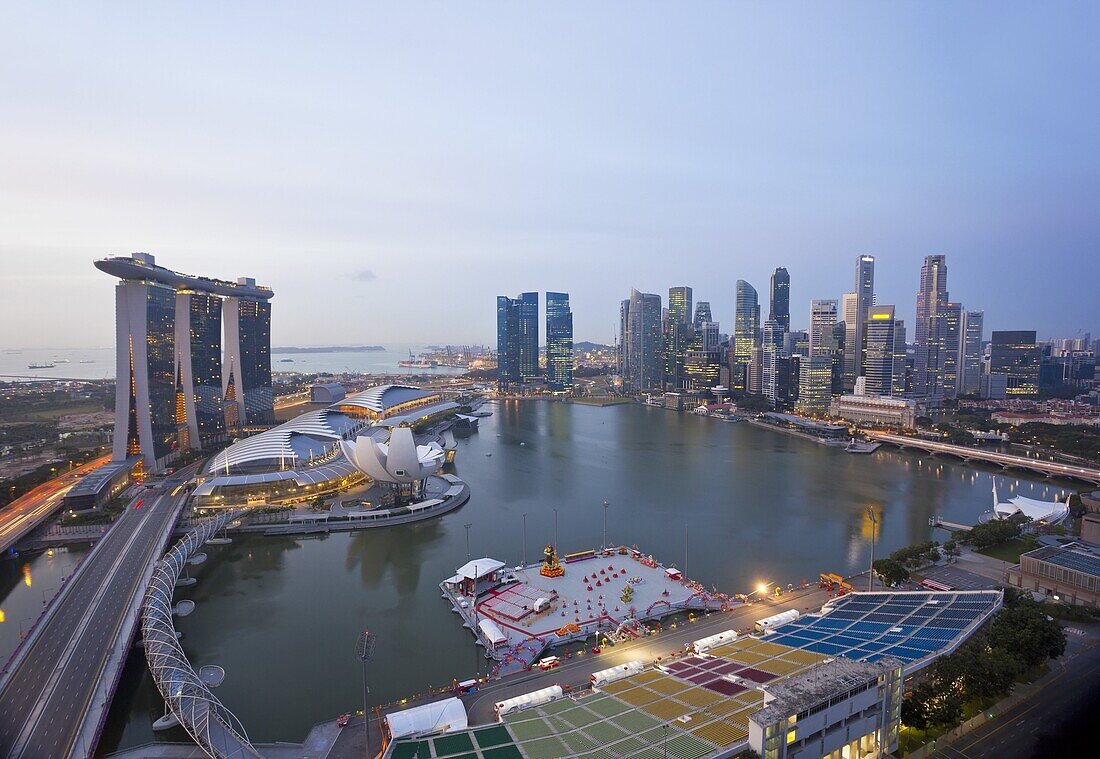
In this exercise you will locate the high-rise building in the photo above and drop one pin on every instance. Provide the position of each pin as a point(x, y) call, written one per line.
point(780, 302)
point(864, 299)
point(951, 328)
point(559, 343)
point(678, 333)
point(642, 355)
point(169, 364)
point(931, 343)
point(970, 353)
point(883, 352)
point(199, 367)
point(708, 336)
point(771, 357)
point(746, 326)
point(849, 304)
point(247, 322)
point(1014, 355)
point(815, 384)
point(702, 314)
point(517, 339)
point(823, 315)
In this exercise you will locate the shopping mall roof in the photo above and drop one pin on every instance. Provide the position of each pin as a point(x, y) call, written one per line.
point(382, 397)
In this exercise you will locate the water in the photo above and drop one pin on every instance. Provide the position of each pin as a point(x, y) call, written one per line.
point(99, 363)
point(24, 584)
point(282, 615)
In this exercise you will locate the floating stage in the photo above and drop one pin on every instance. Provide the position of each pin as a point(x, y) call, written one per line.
point(522, 611)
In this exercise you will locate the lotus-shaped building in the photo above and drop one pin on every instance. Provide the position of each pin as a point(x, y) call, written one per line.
point(399, 461)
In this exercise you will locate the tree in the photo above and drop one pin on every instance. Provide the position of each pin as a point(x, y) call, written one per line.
point(891, 571)
point(951, 548)
point(979, 670)
point(1025, 632)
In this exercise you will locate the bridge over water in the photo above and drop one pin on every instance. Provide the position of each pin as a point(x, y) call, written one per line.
point(1004, 460)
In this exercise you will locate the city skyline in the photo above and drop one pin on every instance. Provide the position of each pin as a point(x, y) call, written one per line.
point(627, 154)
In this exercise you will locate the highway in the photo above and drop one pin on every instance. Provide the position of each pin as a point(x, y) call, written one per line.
point(48, 693)
point(28, 511)
point(1007, 460)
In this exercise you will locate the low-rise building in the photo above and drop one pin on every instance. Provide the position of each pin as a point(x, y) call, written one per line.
point(1016, 418)
point(99, 486)
point(842, 708)
point(880, 410)
point(1069, 573)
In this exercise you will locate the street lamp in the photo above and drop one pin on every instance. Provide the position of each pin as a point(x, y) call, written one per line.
point(874, 524)
point(468, 525)
point(605, 505)
point(556, 546)
point(364, 650)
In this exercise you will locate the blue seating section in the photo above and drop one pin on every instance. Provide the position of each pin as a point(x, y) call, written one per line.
point(868, 626)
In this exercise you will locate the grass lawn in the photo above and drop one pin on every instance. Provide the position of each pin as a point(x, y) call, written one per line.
point(1011, 550)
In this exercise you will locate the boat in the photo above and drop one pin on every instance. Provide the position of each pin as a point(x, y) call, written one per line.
point(61, 361)
point(286, 361)
point(88, 361)
point(40, 366)
point(488, 454)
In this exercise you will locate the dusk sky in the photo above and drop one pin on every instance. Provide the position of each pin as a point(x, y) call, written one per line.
point(390, 169)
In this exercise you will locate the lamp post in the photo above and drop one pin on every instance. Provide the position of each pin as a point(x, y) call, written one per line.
point(364, 650)
point(874, 524)
point(525, 538)
point(556, 546)
point(468, 525)
point(605, 505)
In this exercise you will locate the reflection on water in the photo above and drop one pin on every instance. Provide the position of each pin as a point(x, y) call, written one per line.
point(25, 583)
point(282, 615)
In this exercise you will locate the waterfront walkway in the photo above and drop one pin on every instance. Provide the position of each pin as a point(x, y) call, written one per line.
point(57, 687)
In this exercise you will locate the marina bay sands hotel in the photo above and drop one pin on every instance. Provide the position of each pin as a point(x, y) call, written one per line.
point(179, 385)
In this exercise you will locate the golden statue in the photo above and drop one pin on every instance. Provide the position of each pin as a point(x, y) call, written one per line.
point(551, 567)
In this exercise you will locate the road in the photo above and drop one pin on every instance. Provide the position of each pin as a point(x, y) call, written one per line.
point(1058, 711)
point(26, 512)
point(45, 697)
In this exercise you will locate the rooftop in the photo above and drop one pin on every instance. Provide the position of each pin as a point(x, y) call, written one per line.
point(1074, 556)
point(141, 266)
point(807, 689)
point(96, 480)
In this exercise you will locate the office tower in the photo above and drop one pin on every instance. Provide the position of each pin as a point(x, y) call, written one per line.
point(950, 328)
point(823, 315)
point(902, 381)
point(970, 353)
point(702, 368)
point(559, 343)
point(517, 339)
point(931, 343)
point(168, 363)
point(247, 324)
point(702, 314)
point(881, 365)
point(1014, 355)
point(771, 355)
point(849, 303)
point(199, 367)
point(746, 321)
point(865, 298)
point(754, 372)
point(780, 302)
point(796, 343)
point(708, 336)
point(678, 334)
point(643, 362)
point(815, 384)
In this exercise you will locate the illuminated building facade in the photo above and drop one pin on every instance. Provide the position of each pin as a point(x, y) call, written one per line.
point(642, 346)
point(815, 385)
point(746, 326)
point(679, 332)
point(884, 352)
point(517, 339)
point(970, 353)
point(780, 303)
point(559, 343)
point(1014, 355)
point(855, 319)
point(823, 316)
point(168, 357)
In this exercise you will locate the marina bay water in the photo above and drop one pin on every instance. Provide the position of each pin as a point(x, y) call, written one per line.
point(282, 614)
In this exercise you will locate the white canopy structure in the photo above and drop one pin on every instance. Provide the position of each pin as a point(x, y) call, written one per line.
point(611, 674)
point(437, 717)
point(1050, 512)
point(492, 632)
point(775, 620)
point(478, 568)
point(399, 460)
point(713, 641)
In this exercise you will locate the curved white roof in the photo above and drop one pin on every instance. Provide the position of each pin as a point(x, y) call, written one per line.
point(325, 424)
point(398, 460)
point(436, 717)
point(382, 397)
point(1035, 510)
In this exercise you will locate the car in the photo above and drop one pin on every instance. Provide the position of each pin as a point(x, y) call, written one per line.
point(549, 662)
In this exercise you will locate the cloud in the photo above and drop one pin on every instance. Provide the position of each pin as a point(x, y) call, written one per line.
point(364, 275)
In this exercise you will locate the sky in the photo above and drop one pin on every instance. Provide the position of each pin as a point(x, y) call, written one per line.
point(389, 168)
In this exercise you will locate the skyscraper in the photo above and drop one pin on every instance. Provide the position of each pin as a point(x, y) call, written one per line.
point(642, 360)
point(679, 305)
point(1014, 355)
point(746, 323)
point(950, 328)
point(678, 334)
point(815, 384)
point(884, 338)
point(702, 314)
point(780, 302)
point(970, 353)
point(559, 343)
point(931, 343)
point(247, 323)
point(169, 366)
point(199, 366)
point(855, 319)
point(823, 315)
point(517, 339)
point(771, 355)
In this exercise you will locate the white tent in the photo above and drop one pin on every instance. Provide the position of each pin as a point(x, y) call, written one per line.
point(713, 641)
point(492, 632)
point(611, 674)
point(437, 717)
point(534, 698)
point(775, 620)
point(479, 568)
